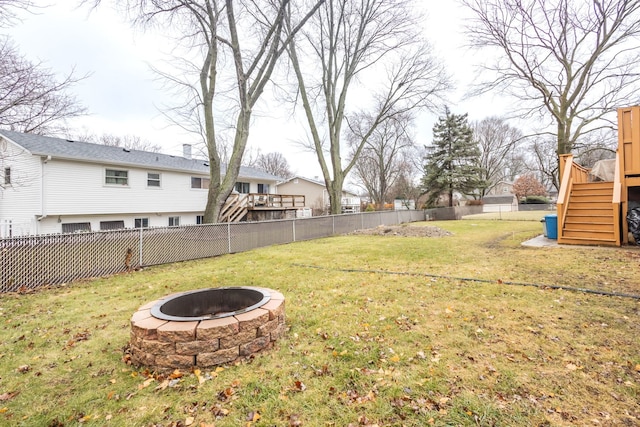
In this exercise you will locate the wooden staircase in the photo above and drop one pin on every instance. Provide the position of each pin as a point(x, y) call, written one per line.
point(589, 218)
point(235, 208)
point(594, 213)
point(588, 211)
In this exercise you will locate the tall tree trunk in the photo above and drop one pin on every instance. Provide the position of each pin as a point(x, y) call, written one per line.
point(335, 195)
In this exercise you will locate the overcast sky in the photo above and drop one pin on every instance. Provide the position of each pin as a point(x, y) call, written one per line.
point(122, 94)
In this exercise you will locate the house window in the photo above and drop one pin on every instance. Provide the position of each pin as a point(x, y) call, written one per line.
point(242, 187)
point(73, 227)
point(116, 177)
point(8, 229)
point(7, 176)
point(153, 180)
point(174, 221)
point(199, 182)
point(263, 188)
point(199, 219)
point(111, 225)
point(141, 222)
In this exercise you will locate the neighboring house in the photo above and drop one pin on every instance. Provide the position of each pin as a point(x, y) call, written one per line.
point(316, 195)
point(403, 204)
point(507, 203)
point(52, 185)
point(502, 188)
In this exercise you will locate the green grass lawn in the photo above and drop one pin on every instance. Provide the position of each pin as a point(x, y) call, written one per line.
point(383, 330)
point(512, 216)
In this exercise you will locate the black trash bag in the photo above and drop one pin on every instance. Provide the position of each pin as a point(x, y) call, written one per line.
point(633, 220)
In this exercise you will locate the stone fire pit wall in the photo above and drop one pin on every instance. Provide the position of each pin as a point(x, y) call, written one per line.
point(166, 345)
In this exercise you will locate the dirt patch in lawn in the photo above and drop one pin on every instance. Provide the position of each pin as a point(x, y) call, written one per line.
point(404, 231)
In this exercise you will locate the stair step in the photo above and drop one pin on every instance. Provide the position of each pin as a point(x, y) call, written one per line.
point(592, 185)
point(590, 205)
point(583, 190)
point(588, 241)
point(591, 197)
point(572, 219)
point(589, 234)
point(580, 226)
point(584, 213)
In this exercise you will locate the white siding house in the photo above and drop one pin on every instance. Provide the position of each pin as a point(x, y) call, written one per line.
point(316, 196)
point(52, 185)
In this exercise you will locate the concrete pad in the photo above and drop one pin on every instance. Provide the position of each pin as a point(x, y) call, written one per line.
point(541, 242)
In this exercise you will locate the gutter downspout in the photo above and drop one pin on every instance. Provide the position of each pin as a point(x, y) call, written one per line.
point(43, 211)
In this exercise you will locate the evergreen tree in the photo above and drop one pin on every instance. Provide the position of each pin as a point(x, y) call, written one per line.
point(453, 162)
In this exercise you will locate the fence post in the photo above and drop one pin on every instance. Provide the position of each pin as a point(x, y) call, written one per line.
point(140, 247)
point(229, 237)
point(293, 226)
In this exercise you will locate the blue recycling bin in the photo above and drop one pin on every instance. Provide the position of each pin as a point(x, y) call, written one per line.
point(551, 226)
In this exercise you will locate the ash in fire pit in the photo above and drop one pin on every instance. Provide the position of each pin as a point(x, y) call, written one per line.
point(206, 327)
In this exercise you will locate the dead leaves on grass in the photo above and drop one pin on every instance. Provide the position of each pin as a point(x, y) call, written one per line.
point(78, 337)
point(8, 395)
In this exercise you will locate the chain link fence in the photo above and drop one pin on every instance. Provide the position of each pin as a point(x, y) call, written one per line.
point(34, 261)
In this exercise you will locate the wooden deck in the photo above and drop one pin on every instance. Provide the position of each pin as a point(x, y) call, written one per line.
point(260, 207)
point(257, 201)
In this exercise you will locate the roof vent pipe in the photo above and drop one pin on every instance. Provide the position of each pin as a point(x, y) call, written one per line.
point(186, 151)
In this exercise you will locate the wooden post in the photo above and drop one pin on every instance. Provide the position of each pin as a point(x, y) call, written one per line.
point(629, 155)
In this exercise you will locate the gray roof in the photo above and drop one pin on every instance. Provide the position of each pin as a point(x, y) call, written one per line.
point(87, 152)
point(313, 181)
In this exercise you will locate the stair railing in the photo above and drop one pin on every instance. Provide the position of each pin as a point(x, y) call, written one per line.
point(571, 173)
point(234, 208)
point(616, 202)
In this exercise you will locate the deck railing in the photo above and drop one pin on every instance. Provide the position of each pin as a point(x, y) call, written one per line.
point(275, 201)
point(570, 172)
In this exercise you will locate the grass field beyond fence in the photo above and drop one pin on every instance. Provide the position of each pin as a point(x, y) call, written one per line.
point(512, 216)
point(384, 330)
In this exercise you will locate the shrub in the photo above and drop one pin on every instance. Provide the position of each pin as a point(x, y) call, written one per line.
point(530, 200)
point(528, 185)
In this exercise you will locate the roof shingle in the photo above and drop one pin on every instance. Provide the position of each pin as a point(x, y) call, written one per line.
point(87, 152)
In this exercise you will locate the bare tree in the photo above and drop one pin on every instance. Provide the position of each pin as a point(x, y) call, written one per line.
point(543, 162)
point(357, 59)
point(498, 157)
point(130, 142)
point(599, 146)
point(571, 60)
point(9, 8)
point(274, 163)
point(32, 99)
point(221, 96)
point(405, 188)
point(384, 157)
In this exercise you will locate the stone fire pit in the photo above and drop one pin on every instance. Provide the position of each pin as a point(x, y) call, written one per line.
point(206, 327)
